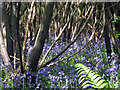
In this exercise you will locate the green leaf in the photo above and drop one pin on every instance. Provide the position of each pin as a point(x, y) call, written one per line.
point(93, 77)
point(87, 85)
point(88, 77)
point(117, 18)
point(113, 21)
point(104, 85)
point(116, 32)
point(97, 79)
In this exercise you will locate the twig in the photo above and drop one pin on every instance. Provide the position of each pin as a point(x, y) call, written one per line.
point(14, 57)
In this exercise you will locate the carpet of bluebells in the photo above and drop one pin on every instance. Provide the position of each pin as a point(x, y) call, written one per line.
point(63, 74)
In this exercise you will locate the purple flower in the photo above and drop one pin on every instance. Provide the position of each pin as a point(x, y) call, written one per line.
point(24, 75)
point(61, 73)
point(4, 85)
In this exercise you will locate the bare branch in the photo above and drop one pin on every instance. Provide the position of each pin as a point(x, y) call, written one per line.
point(80, 31)
point(41, 62)
point(27, 28)
point(92, 36)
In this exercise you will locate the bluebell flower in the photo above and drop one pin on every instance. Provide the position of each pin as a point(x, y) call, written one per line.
point(67, 60)
point(33, 74)
point(24, 75)
point(4, 85)
point(70, 81)
point(83, 58)
point(71, 65)
point(39, 77)
point(29, 77)
point(45, 73)
point(36, 81)
point(29, 50)
point(109, 57)
point(61, 73)
point(112, 53)
point(66, 77)
point(53, 79)
point(41, 71)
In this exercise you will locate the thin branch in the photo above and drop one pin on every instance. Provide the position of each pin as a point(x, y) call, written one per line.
point(92, 36)
point(41, 62)
point(80, 31)
point(18, 37)
point(103, 21)
point(14, 57)
point(27, 29)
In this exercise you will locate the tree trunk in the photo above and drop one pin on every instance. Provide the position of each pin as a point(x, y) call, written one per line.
point(112, 26)
point(13, 29)
point(36, 52)
point(106, 30)
point(8, 31)
point(18, 36)
point(117, 25)
point(4, 54)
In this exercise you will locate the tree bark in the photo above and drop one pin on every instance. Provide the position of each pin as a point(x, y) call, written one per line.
point(8, 31)
point(112, 29)
point(18, 37)
point(13, 29)
point(106, 30)
point(26, 32)
point(5, 54)
point(117, 25)
point(33, 58)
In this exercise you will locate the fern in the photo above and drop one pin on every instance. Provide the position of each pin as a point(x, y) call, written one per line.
point(88, 78)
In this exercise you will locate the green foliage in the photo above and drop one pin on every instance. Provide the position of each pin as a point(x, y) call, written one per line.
point(88, 78)
point(6, 80)
point(101, 22)
point(117, 19)
point(117, 34)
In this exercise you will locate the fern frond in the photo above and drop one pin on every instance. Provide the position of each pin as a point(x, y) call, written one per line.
point(89, 78)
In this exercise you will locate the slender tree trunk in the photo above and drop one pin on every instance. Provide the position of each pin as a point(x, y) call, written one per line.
point(18, 36)
point(117, 25)
point(70, 29)
point(112, 26)
point(13, 29)
point(8, 31)
point(4, 54)
point(106, 31)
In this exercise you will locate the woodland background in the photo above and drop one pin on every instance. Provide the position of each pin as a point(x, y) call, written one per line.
point(42, 44)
